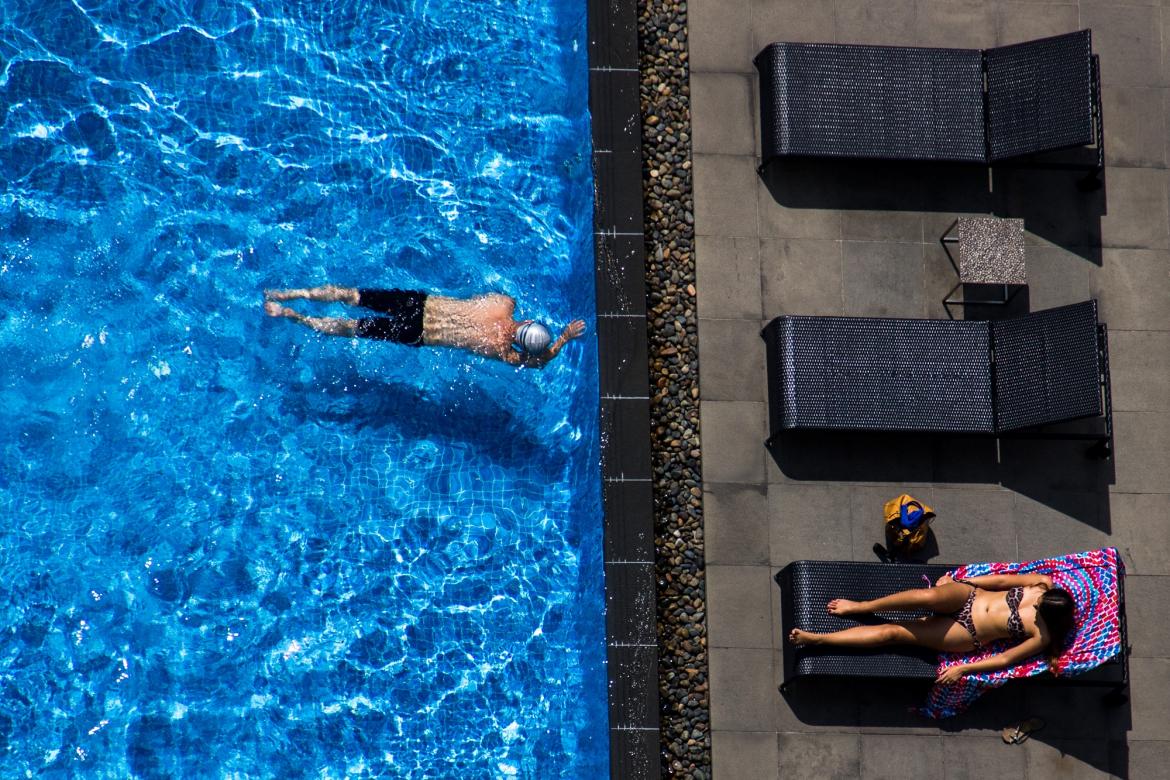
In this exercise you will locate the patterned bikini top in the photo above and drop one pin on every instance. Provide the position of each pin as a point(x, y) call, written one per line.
point(1015, 623)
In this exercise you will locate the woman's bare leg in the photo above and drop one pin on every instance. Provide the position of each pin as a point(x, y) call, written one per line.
point(332, 326)
point(937, 633)
point(942, 598)
point(328, 293)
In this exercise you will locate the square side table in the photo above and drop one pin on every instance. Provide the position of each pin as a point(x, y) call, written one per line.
point(991, 251)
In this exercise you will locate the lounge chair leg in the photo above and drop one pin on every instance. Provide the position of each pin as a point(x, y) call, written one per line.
point(1118, 696)
point(1102, 450)
point(1090, 183)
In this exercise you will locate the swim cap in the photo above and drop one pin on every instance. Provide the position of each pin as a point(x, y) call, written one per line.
point(533, 338)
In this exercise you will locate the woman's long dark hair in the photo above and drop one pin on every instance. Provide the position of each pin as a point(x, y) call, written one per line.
point(1056, 608)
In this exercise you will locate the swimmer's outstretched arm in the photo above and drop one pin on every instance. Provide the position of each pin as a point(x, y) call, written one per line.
point(331, 326)
point(572, 331)
point(328, 293)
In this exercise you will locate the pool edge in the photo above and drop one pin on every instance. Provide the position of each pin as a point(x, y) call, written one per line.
point(627, 499)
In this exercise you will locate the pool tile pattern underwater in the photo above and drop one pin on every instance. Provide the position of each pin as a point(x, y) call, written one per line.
point(234, 547)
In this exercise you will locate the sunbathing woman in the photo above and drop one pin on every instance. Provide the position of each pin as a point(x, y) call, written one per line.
point(969, 614)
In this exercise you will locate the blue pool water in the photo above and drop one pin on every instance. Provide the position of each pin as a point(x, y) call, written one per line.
point(234, 548)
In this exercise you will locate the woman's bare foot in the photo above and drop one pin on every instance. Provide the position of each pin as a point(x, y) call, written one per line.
point(273, 309)
point(280, 295)
point(802, 638)
point(845, 607)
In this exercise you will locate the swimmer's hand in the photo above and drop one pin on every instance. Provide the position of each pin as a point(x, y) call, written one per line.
point(943, 580)
point(573, 330)
point(951, 675)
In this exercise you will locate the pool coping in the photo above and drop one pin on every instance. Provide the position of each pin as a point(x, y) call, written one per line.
point(628, 521)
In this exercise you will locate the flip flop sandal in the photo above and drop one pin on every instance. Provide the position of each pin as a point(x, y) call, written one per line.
point(1014, 735)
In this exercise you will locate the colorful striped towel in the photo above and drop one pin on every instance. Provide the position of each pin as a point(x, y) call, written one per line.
point(1092, 579)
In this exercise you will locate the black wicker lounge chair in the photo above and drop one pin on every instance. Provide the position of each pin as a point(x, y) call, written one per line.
point(806, 586)
point(904, 103)
point(1003, 378)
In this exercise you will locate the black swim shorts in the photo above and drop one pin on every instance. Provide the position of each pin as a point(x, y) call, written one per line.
point(405, 323)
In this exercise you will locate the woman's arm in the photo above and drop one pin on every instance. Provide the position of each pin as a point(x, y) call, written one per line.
point(1005, 581)
point(1024, 650)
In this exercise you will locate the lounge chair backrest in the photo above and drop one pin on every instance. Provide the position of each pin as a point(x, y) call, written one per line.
point(886, 102)
point(1047, 366)
point(1039, 95)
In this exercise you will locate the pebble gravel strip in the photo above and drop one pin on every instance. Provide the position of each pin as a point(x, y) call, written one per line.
point(674, 387)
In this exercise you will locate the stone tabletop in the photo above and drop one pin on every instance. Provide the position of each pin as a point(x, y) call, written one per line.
point(991, 250)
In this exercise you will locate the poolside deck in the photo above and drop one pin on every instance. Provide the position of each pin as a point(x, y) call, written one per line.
point(863, 240)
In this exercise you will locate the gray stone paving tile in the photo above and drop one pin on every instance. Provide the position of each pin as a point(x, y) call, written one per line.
point(1052, 206)
point(1136, 215)
point(1134, 289)
point(735, 524)
point(723, 116)
point(724, 195)
point(780, 221)
point(1141, 451)
point(1047, 503)
point(739, 603)
point(727, 271)
point(733, 436)
point(977, 758)
point(880, 22)
point(720, 36)
point(1137, 364)
point(1138, 522)
point(1136, 134)
point(851, 458)
point(1040, 467)
point(743, 754)
point(1074, 759)
point(883, 279)
point(1149, 682)
point(973, 525)
point(967, 24)
point(896, 757)
point(1128, 40)
point(938, 278)
point(1056, 277)
point(882, 225)
point(1146, 598)
point(1075, 712)
point(731, 360)
point(810, 522)
point(1018, 22)
point(1043, 530)
point(801, 276)
point(792, 20)
point(886, 707)
point(817, 705)
point(741, 698)
point(1147, 759)
point(827, 756)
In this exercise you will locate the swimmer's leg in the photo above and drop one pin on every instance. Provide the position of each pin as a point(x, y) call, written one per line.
point(331, 326)
point(329, 293)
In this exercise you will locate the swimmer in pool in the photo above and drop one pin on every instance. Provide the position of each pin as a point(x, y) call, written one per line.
point(483, 324)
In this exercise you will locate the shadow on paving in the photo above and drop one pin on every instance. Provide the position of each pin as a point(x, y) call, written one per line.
point(1057, 473)
point(1080, 721)
point(1051, 202)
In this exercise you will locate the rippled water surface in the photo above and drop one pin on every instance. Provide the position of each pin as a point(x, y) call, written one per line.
point(232, 547)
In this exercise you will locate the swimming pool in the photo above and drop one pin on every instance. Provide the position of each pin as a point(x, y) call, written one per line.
point(236, 548)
